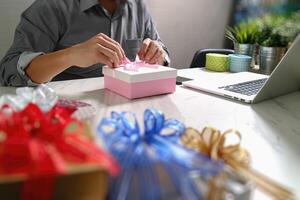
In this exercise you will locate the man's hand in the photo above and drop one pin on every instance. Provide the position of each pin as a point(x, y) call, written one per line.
point(152, 52)
point(99, 49)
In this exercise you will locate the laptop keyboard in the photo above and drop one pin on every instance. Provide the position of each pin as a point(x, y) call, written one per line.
point(246, 88)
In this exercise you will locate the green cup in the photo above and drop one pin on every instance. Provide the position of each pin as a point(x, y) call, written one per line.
point(217, 62)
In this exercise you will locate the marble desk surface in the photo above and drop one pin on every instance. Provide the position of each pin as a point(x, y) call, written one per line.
point(270, 130)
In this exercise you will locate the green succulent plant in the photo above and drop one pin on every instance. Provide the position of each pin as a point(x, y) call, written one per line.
point(243, 33)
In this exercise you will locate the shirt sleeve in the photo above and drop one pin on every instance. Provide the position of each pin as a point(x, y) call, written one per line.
point(36, 34)
point(152, 33)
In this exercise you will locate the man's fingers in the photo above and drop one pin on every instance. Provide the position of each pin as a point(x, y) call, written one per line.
point(112, 55)
point(144, 48)
point(103, 59)
point(118, 44)
point(121, 52)
point(152, 49)
point(158, 55)
point(110, 45)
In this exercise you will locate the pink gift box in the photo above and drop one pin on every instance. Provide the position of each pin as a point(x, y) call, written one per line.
point(146, 81)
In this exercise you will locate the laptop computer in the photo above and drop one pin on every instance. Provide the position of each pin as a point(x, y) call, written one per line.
point(252, 87)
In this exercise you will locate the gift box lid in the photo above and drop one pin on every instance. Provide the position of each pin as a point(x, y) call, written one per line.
point(82, 181)
point(142, 74)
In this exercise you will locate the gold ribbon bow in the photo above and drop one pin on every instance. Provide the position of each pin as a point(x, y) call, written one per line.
point(212, 142)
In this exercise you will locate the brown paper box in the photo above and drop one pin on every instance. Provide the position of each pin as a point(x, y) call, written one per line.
point(81, 183)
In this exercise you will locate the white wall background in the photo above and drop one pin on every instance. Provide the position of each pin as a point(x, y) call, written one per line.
point(188, 25)
point(184, 25)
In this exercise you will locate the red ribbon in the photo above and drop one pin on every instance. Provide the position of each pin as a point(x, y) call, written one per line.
point(41, 144)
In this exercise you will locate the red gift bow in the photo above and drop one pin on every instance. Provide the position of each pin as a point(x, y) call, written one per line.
point(40, 145)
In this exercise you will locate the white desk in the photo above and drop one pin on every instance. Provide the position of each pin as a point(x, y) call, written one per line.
point(270, 130)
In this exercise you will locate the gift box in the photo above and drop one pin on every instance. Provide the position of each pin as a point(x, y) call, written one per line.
point(46, 153)
point(136, 80)
point(81, 182)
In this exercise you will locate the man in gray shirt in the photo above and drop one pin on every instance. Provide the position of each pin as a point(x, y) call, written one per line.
point(70, 39)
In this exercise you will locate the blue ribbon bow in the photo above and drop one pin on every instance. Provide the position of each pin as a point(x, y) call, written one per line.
point(154, 165)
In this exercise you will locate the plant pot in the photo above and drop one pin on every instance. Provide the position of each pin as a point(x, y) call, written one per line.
point(269, 57)
point(246, 49)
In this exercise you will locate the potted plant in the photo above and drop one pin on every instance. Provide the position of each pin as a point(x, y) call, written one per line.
point(291, 28)
point(272, 42)
point(243, 37)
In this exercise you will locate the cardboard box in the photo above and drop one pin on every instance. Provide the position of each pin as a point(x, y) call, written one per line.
point(81, 183)
point(144, 82)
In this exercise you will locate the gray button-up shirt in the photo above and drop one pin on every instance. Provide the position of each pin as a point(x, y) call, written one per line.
point(51, 25)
